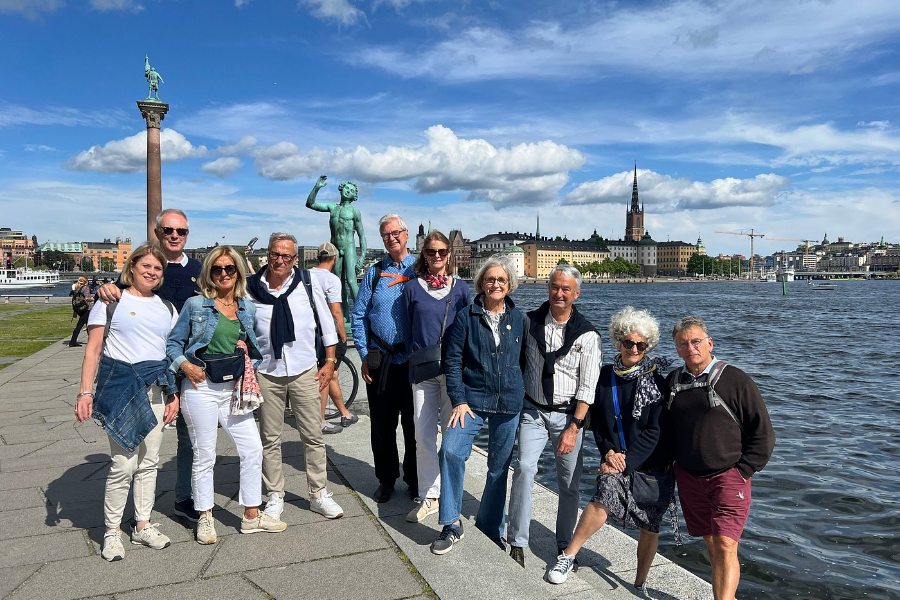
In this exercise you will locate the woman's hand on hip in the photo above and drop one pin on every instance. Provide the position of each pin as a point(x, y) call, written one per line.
point(616, 460)
point(459, 415)
point(193, 373)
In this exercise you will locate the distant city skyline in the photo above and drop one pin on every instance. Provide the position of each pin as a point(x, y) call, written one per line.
point(474, 116)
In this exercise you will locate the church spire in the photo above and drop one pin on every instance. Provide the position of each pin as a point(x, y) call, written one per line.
point(635, 203)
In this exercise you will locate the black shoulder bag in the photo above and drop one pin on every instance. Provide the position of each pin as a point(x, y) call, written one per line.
point(425, 363)
point(649, 488)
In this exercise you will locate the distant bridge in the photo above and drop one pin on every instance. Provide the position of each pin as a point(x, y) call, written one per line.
point(830, 274)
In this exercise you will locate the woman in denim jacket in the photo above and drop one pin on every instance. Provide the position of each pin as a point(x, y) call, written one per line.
point(221, 322)
point(135, 395)
point(482, 352)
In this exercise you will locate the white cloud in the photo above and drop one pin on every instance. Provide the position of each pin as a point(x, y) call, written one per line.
point(32, 9)
point(129, 155)
point(12, 115)
point(663, 193)
point(39, 148)
point(222, 167)
point(686, 37)
point(338, 10)
point(522, 174)
point(107, 5)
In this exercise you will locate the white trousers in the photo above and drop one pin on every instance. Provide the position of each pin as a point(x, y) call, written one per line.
point(139, 467)
point(204, 408)
point(431, 407)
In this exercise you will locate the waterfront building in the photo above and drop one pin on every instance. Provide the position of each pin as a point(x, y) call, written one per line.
point(73, 248)
point(495, 242)
point(887, 261)
point(15, 244)
point(107, 255)
point(672, 258)
point(460, 261)
point(701, 249)
point(420, 239)
point(634, 217)
point(843, 262)
point(542, 255)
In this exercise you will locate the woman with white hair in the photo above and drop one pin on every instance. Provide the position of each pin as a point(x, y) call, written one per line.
point(635, 485)
point(482, 351)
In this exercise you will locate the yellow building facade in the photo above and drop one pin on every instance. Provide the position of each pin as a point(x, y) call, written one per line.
point(672, 258)
point(542, 255)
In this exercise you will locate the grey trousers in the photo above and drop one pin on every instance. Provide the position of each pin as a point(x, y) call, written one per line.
point(535, 428)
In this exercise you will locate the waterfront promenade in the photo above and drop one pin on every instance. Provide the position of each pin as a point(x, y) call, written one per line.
point(52, 476)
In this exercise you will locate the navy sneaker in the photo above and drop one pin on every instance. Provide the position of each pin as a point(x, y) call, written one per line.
point(185, 508)
point(449, 536)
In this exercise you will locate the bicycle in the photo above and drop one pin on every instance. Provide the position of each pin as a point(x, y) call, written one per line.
point(348, 379)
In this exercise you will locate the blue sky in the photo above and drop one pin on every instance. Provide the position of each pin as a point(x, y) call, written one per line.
point(779, 115)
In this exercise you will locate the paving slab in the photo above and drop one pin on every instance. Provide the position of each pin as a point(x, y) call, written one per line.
point(12, 577)
point(218, 588)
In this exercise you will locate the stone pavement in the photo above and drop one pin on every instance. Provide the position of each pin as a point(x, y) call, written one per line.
point(52, 476)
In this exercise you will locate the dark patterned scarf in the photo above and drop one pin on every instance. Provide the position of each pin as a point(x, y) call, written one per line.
point(647, 392)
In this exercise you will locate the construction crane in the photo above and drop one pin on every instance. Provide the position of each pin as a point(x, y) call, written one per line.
point(753, 234)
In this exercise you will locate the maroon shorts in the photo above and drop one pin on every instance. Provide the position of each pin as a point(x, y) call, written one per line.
point(717, 505)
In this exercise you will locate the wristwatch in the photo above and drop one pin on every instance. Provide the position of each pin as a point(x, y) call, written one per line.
point(331, 359)
point(579, 423)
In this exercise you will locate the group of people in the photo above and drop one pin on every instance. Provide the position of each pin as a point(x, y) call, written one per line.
point(203, 345)
point(434, 359)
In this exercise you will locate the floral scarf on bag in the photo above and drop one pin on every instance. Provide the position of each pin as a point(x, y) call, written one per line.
point(246, 396)
point(647, 392)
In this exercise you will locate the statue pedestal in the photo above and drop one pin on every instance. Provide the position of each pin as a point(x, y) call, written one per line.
point(153, 113)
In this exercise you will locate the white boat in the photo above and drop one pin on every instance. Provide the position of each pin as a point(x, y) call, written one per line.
point(821, 286)
point(16, 279)
point(785, 274)
point(770, 277)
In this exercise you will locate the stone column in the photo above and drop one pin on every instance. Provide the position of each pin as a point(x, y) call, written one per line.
point(153, 112)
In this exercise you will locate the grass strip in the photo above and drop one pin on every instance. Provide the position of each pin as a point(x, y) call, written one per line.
point(23, 334)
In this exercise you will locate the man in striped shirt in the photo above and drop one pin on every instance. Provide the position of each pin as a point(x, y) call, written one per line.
point(562, 353)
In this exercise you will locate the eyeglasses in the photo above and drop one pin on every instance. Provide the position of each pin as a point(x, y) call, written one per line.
point(182, 231)
point(496, 280)
point(695, 343)
point(274, 256)
point(628, 345)
point(442, 252)
point(216, 270)
point(389, 234)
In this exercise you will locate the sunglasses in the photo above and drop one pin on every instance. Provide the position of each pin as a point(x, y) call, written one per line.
point(274, 256)
point(442, 252)
point(182, 231)
point(216, 270)
point(628, 345)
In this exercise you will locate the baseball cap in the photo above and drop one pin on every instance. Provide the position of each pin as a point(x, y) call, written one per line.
point(327, 250)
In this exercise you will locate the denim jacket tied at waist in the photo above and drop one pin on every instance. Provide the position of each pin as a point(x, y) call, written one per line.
point(121, 404)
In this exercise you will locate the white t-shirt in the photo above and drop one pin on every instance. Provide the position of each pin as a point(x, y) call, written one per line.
point(138, 330)
point(329, 283)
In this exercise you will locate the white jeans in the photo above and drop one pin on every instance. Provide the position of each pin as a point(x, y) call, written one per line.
point(205, 408)
point(139, 466)
point(430, 401)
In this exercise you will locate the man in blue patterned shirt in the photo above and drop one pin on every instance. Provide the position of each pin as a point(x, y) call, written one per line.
point(378, 335)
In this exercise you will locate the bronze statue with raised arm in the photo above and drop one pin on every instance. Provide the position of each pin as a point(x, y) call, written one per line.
point(344, 222)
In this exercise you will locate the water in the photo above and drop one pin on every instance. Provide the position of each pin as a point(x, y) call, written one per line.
point(825, 510)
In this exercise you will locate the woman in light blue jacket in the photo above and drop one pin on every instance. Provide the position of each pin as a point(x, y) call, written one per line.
point(214, 345)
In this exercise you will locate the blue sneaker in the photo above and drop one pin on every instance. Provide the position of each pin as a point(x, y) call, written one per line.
point(449, 536)
point(560, 572)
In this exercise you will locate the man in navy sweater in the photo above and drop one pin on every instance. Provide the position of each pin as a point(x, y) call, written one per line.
point(179, 283)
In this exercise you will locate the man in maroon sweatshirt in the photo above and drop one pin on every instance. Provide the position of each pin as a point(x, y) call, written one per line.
point(721, 438)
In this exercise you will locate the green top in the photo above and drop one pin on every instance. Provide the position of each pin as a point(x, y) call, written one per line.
point(225, 337)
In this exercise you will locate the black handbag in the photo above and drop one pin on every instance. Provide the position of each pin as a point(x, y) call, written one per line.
point(425, 363)
point(222, 368)
point(654, 487)
point(650, 488)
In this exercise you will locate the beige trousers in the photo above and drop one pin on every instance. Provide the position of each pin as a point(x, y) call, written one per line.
point(303, 393)
point(139, 467)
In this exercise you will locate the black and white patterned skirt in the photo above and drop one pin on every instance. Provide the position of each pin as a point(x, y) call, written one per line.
point(614, 492)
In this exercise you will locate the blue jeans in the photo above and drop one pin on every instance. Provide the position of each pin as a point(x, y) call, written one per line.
point(184, 458)
point(455, 450)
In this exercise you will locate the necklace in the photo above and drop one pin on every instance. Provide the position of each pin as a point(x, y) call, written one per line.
point(226, 305)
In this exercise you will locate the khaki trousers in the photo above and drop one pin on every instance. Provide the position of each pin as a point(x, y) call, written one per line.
point(136, 471)
point(303, 393)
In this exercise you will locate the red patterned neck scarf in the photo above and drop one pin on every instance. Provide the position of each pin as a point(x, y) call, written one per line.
point(436, 281)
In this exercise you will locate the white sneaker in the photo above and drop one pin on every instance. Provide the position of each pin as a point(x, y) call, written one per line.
point(150, 536)
point(424, 508)
point(206, 529)
point(262, 523)
point(325, 506)
point(274, 506)
point(560, 572)
point(112, 546)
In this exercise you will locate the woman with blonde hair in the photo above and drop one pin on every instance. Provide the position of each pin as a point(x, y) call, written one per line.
point(214, 345)
point(127, 339)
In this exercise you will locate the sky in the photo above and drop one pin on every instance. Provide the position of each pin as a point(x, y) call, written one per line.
point(776, 115)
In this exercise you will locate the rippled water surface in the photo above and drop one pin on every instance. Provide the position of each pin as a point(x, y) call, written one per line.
point(826, 509)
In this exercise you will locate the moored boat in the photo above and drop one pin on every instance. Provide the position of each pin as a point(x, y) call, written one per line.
point(15, 279)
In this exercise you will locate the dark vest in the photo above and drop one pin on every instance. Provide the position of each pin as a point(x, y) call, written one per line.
point(576, 326)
